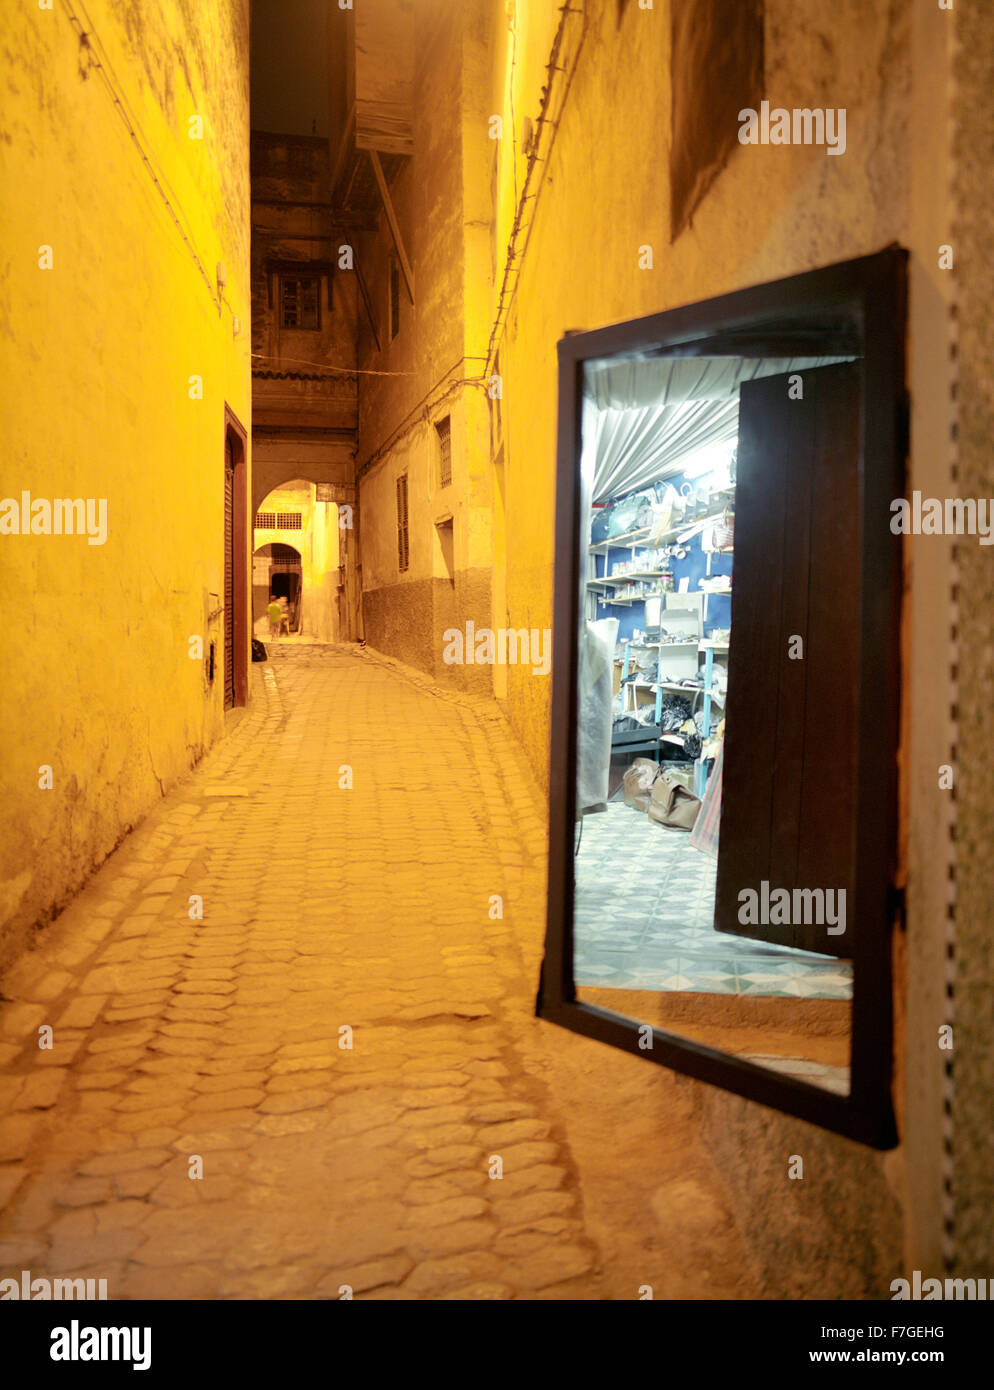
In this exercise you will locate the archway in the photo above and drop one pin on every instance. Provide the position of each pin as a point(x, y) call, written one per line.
point(297, 556)
point(277, 573)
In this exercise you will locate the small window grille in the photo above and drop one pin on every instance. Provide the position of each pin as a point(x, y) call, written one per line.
point(300, 300)
point(289, 521)
point(265, 521)
point(403, 544)
point(443, 428)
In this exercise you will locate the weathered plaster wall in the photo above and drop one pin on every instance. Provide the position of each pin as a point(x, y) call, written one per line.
point(407, 613)
point(772, 212)
point(973, 1180)
point(301, 375)
point(96, 358)
point(279, 457)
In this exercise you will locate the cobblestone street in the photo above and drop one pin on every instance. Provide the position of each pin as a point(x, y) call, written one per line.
point(402, 915)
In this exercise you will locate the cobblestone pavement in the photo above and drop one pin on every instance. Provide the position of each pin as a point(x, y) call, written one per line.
point(334, 915)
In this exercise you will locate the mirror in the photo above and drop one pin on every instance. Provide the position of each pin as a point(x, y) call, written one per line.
point(734, 598)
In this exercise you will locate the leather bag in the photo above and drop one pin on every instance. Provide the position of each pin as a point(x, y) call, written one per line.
point(671, 804)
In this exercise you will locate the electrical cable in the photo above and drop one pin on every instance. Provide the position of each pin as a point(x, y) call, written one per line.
point(325, 367)
point(98, 61)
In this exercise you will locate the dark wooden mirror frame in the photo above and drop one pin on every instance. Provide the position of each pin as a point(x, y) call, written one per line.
point(819, 308)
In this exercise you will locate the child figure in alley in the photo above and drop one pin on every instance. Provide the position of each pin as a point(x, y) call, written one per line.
point(275, 615)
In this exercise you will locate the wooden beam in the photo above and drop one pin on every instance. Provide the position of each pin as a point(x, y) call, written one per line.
point(369, 308)
point(398, 243)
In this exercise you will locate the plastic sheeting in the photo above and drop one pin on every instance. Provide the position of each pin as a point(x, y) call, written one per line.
point(593, 751)
point(643, 416)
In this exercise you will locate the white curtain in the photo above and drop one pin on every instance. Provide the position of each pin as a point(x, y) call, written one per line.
point(641, 417)
point(632, 448)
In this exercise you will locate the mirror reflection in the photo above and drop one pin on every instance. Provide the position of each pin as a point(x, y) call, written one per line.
point(688, 463)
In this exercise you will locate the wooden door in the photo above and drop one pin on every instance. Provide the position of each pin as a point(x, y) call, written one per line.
point(229, 575)
point(790, 767)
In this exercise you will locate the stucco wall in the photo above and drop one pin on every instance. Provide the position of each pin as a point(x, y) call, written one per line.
point(972, 1178)
point(772, 211)
point(96, 358)
point(407, 613)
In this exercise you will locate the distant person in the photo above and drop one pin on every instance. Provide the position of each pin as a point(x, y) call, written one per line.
point(275, 616)
point(284, 614)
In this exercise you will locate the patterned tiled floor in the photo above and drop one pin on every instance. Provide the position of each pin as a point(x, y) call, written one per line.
point(644, 920)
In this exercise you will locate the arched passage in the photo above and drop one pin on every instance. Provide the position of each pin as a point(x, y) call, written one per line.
point(298, 555)
point(277, 573)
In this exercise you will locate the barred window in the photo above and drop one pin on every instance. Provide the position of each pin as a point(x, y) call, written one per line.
point(300, 302)
point(403, 543)
point(289, 521)
point(265, 521)
point(443, 429)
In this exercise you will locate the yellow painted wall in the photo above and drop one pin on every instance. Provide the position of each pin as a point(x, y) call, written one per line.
point(426, 366)
point(772, 212)
point(95, 361)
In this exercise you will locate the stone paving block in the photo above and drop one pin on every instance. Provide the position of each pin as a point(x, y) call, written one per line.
point(96, 1102)
point(20, 1021)
point(480, 1291)
point(557, 1263)
point(374, 1274)
point(450, 1239)
point(533, 1207)
point(136, 1014)
point(431, 1097)
point(198, 1281)
point(165, 884)
point(47, 986)
point(11, 1177)
point(516, 1157)
point(442, 1213)
point(79, 1222)
point(513, 1132)
point(539, 1177)
point(498, 1111)
point(301, 1123)
point(139, 1183)
point(90, 1252)
point(441, 1136)
point(443, 1159)
point(122, 1040)
point(15, 1254)
point(432, 1276)
point(529, 1241)
point(17, 1136)
point(242, 1098)
point(41, 1091)
point(439, 1115)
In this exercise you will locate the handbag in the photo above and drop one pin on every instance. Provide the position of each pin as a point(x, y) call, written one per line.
point(671, 804)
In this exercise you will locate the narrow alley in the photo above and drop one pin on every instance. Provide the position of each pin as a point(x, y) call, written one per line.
point(496, 508)
point(342, 1051)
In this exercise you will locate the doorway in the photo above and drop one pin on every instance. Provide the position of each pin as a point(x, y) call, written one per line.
point(235, 563)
